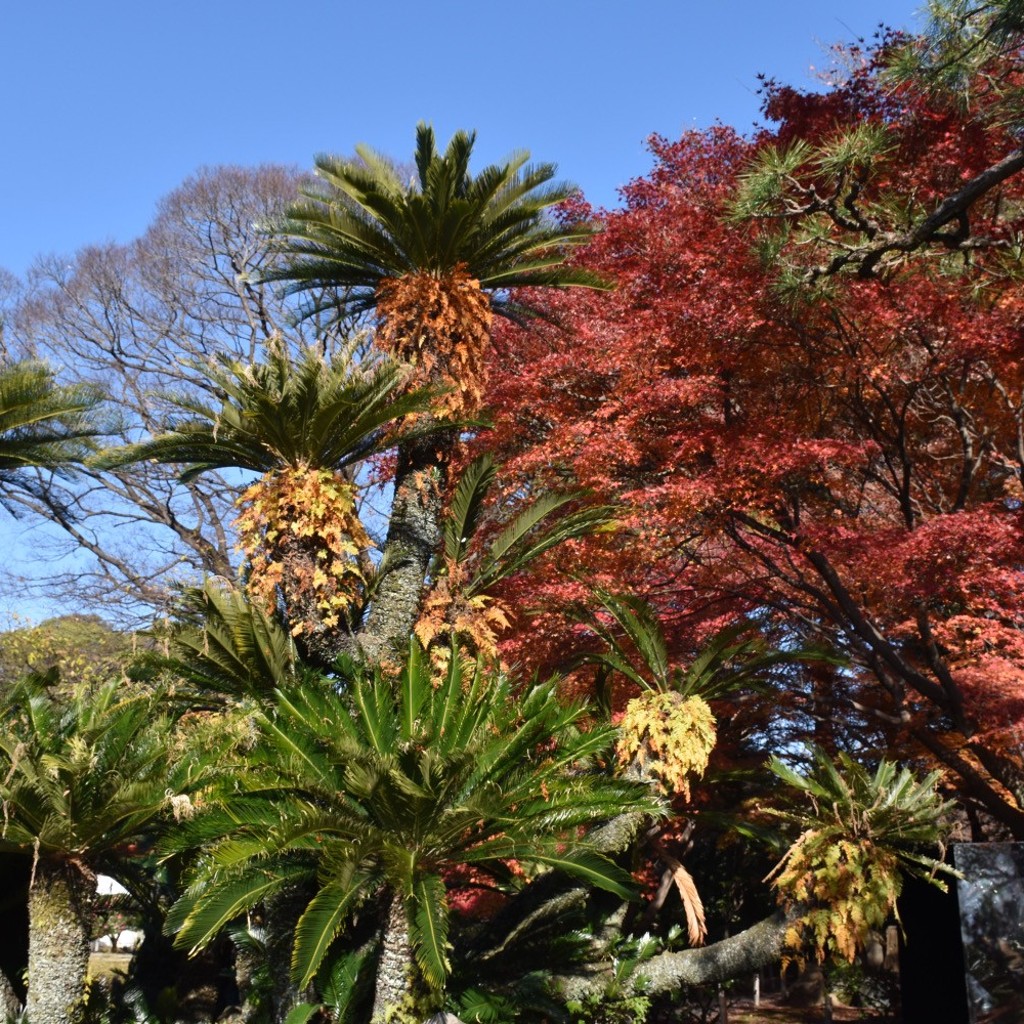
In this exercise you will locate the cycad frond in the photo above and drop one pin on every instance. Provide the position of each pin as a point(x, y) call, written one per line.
point(592, 868)
point(284, 413)
point(43, 423)
point(363, 226)
point(467, 502)
point(205, 910)
point(429, 929)
point(226, 646)
point(861, 831)
point(736, 657)
point(542, 525)
point(322, 920)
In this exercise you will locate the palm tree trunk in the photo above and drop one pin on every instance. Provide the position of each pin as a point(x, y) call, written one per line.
point(10, 1004)
point(393, 970)
point(59, 904)
point(283, 910)
point(413, 536)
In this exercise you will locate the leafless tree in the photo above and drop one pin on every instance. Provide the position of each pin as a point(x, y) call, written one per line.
point(140, 321)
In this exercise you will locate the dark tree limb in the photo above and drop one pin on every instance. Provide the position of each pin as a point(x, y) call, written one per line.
point(953, 209)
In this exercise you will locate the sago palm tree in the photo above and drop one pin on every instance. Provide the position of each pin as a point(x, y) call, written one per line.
point(41, 422)
point(471, 560)
point(379, 792)
point(434, 258)
point(302, 424)
point(79, 780)
point(861, 833)
point(668, 730)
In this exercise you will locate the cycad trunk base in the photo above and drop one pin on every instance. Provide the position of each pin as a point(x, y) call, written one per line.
point(393, 970)
point(59, 905)
point(10, 1004)
point(283, 911)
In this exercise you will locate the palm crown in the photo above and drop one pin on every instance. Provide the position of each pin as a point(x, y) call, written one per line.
point(861, 833)
point(79, 780)
point(435, 257)
point(299, 423)
point(363, 225)
point(83, 776)
point(384, 790)
point(284, 414)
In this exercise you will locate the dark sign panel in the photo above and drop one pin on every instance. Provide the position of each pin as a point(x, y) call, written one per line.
point(991, 897)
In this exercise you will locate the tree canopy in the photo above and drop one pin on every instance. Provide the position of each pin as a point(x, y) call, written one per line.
point(566, 525)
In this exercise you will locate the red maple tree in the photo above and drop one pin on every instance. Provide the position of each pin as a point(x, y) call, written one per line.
point(834, 446)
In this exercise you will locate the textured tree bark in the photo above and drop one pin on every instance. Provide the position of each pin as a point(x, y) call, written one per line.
point(395, 962)
point(283, 911)
point(10, 1004)
point(247, 962)
point(59, 902)
point(742, 954)
point(413, 536)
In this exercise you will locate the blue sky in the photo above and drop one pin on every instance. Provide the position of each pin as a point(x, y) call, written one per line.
point(109, 104)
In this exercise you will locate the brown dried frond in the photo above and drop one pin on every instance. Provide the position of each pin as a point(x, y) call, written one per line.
point(475, 622)
point(441, 325)
point(302, 539)
point(696, 924)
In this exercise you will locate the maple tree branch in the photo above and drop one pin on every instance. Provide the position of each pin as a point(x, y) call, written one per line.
point(864, 628)
point(1005, 769)
point(843, 608)
point(973, 784)
point(938, 666)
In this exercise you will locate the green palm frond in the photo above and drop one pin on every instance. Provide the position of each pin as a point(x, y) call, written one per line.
point(550, 520)
point(343, 983)
point(225, 646)
point(322, 920)
point(362, 225)
point(43, 423)
point(303, 413)
point(429, 929)
point(466, 505)
point(415, 685)
point(594, 869)
point(201, 914)
point(379, 784)
point(736, 657)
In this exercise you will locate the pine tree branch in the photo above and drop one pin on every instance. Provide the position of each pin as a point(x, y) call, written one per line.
point(955, 208)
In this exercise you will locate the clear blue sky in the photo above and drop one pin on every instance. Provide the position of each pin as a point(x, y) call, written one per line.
point(109, 104)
